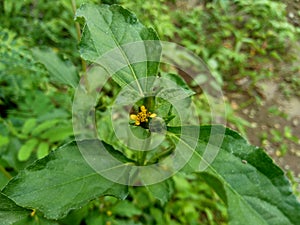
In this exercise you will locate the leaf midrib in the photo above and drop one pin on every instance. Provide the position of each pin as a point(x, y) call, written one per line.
point(123, 54)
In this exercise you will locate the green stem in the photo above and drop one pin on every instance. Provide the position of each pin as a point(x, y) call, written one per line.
point(149, 103)
point(7, 174)
point(142, 155)
point(161, 155)
point(78, 31)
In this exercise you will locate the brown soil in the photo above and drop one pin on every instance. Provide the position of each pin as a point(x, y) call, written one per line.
point(263, 123)
point(293, 8)
point(286, 113)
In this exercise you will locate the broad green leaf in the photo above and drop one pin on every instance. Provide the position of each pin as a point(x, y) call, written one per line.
point(255, 190)
point(27, 149)
point(112, 37)
point(61, 181)
point(59, 70)
point(10, 212)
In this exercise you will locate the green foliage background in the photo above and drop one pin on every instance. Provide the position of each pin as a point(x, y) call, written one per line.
point(235, 38)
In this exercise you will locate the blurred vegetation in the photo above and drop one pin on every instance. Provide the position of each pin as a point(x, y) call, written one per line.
point(242, 42)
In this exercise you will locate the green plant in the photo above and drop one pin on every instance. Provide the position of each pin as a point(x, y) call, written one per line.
point(277, 112)
point(155, 14)
point(281, 138)
point(253, 188)
point(236, 38)
point(30, 105)
point(242, 42)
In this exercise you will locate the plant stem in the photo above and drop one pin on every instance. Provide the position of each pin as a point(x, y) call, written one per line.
point(149, 103)
point(7, 174)
point(161, 155)
point(142, 156)
point(143, 153)
point(78, 31)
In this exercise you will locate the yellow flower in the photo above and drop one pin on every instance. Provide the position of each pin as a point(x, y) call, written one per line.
point(142, 116)
point(33, 212)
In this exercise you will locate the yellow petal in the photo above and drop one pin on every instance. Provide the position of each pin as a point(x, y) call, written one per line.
point(133, 117)
point(153, 115)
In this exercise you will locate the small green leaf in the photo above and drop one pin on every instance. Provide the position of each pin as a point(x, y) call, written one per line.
point(126, 208)
point(60, 71)
point(58, 133)
point(42, 150)
point(26, 149)
point(95, 218)
point(44, 126)
point(76, 216)
point(10, 213)
point(162, 191)
point(3, 140)
point(28, 125)
point(61, 181)
point(158, 216)
point(8, 7)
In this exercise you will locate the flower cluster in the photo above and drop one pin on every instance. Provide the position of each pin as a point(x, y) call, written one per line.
point(142, 116)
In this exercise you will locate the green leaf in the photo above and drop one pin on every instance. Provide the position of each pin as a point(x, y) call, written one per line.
point(58, 133)
point(60, 71)
point(44, 126)
point(10, 212)
point(126, 208)
point(28, 125)
point(3, 140)
point(76, 216)
point(10, 155)
point(115, 34)
point(3, 178)
point(35, 220)
point(162, 191)
point(27, 149)
point(42, 150)
point(61, 181)
point(95, 218)
point(178, 80)
point(158, 216)
point(255, 190)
